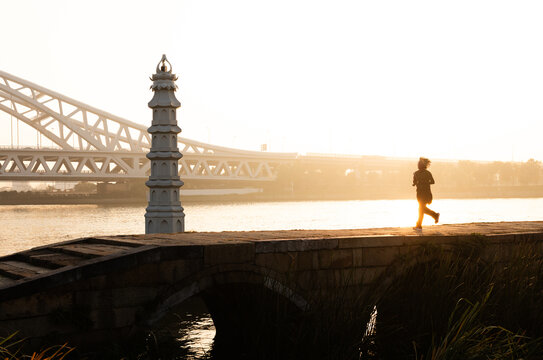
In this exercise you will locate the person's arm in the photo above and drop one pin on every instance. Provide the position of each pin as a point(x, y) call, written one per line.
point(414, 178)
point(431, 178)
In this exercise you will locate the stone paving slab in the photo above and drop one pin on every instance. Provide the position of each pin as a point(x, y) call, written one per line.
point(52, 259)
point(5, 281)
point(90, 250)
point(18, 269)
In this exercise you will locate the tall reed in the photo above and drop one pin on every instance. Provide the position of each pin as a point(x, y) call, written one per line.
point(11, 346)
point(418, 311)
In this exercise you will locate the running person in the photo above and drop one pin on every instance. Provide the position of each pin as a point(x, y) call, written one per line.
point(422, 179)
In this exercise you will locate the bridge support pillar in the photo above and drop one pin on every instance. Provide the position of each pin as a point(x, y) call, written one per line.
point(164, 213)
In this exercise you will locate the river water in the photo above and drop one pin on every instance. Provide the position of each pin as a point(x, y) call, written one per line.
point(26, 226)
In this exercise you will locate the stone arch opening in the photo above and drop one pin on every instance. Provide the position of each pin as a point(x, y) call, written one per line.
point(247, 309)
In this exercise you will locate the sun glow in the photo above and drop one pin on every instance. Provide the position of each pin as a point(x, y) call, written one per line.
point(446, 80)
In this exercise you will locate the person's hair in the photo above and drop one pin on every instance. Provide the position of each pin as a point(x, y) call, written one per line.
point(424, 163)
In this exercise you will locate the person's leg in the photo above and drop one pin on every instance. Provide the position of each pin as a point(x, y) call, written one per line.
point(431, 213)
point(422, 206)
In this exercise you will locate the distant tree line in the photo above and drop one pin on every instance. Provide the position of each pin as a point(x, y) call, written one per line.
point(360, 181)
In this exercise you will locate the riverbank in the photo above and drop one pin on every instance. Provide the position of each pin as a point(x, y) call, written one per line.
point(140, 198)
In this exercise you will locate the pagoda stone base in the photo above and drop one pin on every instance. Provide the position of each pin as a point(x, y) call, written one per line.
point(159, 222)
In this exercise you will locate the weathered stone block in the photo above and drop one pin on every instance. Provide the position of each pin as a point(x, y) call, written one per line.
point(229, 253)
point(143, 275)
point(373, 273)
point(407, 250)
point(379, 256)
point(295, 245)
point(132, 296)
point(305, 279)
point(325, 279)
point(307, 260)
point(343, 278)
point(312, 244)
point(175, 270)
point(235, 267)
point(281, 262)
point(358, 276)
point(40, 303)
point(266, 246)
point(96, 282)
point(95, 299)
point(102, 318)
point(367, 275)
point(357, 257)
point(182, 252)
point(331, 259)
point(126, 316)
point(240, 277)
point(350, 277)
point(373, 241)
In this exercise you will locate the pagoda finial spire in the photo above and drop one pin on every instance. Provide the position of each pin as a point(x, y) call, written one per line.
point(161, 66)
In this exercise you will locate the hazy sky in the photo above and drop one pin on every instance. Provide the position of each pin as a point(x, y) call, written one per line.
point(455, 79)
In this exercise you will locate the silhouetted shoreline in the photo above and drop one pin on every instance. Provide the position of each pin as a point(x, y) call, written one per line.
point(41, 198)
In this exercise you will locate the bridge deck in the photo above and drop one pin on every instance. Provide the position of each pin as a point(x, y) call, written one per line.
point(62, 262)
point(439, 230)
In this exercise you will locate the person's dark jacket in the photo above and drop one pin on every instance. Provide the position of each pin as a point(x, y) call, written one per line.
point(422, 179)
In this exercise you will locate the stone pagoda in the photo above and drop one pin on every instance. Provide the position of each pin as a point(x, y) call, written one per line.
point(164, 213)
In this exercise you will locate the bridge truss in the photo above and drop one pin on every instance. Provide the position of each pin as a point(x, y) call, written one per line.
point(91, 144)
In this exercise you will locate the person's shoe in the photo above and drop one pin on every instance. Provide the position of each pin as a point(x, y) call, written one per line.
point(437, 218)
point(417, 227)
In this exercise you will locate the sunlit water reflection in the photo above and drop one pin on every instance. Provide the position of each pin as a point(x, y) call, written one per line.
point(196, 334)
point(26, 226)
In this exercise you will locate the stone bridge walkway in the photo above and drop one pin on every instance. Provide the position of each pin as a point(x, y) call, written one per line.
point(48, 261)
point(92, 290)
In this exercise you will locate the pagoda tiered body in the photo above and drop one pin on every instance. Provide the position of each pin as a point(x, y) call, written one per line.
point(164, 213)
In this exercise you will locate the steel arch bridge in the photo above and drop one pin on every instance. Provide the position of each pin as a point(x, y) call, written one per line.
point(93, 145)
